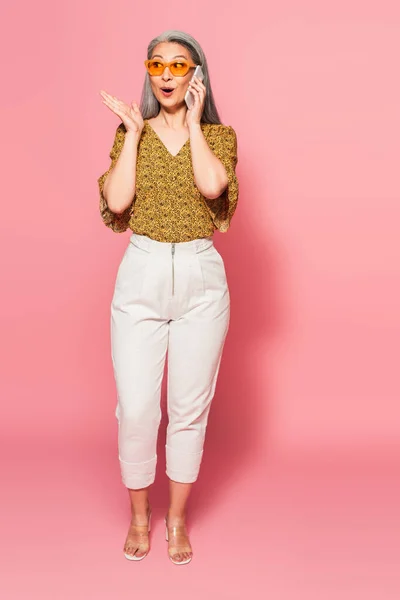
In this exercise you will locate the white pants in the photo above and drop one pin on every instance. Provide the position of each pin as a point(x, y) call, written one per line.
point(175, 297)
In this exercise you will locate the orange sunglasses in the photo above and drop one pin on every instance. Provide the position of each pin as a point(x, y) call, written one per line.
point(178, 68)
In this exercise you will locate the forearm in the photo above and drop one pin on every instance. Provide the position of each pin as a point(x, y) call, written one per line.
point(120, 183)
point(209, 173)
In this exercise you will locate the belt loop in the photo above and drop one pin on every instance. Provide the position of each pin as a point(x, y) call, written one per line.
point(203, 243)
point(141, 241)
point(199, 245)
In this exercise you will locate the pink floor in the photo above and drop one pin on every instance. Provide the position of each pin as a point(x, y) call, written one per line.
point(313, 527)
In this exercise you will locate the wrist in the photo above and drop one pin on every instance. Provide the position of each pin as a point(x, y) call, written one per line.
point(194, 128)
point(134, 136)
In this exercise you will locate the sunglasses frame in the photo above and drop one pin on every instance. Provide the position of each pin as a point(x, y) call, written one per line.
point(168, 64)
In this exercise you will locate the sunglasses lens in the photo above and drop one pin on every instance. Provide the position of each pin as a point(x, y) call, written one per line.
point(155, 67)
point(179, 68)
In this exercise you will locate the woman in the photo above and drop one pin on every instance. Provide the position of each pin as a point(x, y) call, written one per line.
point(171, 291)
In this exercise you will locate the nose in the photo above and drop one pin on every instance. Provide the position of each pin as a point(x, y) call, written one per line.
point(166, 72)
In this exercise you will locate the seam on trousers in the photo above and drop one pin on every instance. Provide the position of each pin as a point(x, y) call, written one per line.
point(184, 452)
point(137, 463)
point(193, 472)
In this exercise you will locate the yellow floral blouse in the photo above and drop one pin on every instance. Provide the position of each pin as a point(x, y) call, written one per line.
point(167, 205)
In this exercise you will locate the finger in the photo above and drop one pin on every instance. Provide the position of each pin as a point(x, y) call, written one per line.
point(119, 104)
point(114, 101)
point(113, 107)
point(195, 99)
point(197, 95)
point(108, 101)
point(199, 82)
point(116, 112)
point(198, 88)
point(193, 88)
point(106, 95)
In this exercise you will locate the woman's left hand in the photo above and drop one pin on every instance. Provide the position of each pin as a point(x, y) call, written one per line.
point(198, 90)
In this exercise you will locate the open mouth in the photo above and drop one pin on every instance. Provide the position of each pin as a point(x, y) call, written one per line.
point(167, 91)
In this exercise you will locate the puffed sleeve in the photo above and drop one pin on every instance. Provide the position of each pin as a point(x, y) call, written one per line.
point(223, 142)
point(117, 222)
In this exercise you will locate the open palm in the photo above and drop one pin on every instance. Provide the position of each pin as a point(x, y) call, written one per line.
point(129, 115)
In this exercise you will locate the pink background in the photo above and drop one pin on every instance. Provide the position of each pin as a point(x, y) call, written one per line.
point(298, 494)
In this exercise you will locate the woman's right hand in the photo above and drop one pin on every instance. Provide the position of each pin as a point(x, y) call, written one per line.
point(129, 115)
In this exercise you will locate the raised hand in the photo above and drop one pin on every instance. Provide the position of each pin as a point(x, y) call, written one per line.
point(129, 115)
point(198, 89)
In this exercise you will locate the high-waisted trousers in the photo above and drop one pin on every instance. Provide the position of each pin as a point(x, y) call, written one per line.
point(170, 299)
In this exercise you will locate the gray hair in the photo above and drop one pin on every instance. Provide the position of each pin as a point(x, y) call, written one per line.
point(150, 106)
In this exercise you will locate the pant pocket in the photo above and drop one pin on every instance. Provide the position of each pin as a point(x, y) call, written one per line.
point(221, 263)
point(131, 274)
point(212, 269)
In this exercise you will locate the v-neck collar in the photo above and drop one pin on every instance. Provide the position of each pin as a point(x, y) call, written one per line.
point(162, 143)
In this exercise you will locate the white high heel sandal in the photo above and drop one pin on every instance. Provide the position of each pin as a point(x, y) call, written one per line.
point(141, 530)
point(176, 531)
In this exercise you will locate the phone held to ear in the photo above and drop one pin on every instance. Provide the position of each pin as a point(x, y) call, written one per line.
point(189, 99)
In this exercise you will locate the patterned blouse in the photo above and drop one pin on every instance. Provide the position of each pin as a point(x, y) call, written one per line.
point(167, 205)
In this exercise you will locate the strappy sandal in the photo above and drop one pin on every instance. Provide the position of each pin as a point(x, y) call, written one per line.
point(176, 533)
point(143, 532)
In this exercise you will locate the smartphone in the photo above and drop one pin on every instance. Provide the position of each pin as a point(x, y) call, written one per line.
point(198, 72)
